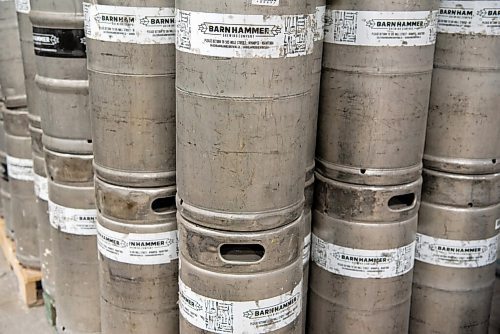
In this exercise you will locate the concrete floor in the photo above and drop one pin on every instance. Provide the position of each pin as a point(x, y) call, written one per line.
point(16, 318)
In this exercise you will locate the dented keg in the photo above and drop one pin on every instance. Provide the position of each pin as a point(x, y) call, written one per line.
point(375, 90)
point(456, 251)
point(132, 90)
point(72, 215)
point(61, 64)
point(28, 56)
point(462, 130)
point(11, 66)
point(138, 259)
point(317, 8)
point(45, 243)
point(23, 201)
point(235, 282)
point(243, 95)
point(363, 242)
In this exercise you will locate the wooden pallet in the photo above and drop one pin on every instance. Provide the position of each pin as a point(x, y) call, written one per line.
point(29, 280)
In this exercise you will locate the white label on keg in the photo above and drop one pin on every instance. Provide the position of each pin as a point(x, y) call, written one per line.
point(139, 25)
point(362, 263)
point(138, 248)
point(306, 252)
point(244, 36)
point(266, 2)
point(469, 17)
point(240, 317)
point(497, 224)
point(23, 6)
point(319, 23)
point(41, 187)
point(456, 253)
point(73, 221)
point(369, 28)
point(20, 169)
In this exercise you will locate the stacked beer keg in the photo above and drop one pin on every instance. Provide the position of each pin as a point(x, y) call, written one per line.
point(318, 8)
point(459, 218)
point(375, 85)
point(131, 63)
point(62, 102)
point(40, 210)
point(244, 73)
point(19, 159)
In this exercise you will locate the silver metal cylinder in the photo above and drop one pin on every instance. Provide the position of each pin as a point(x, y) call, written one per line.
point(240, 282)
point(61, 64)
point(3, 162)
point(138, 259)
point(45, 243)
point(463, 112)
point(377, 67)
point(4, 177)
point(317, 8)
point(495, 310)
point(23, 201)
point(11, 66)
point(456, 250)
point(306, 251)
point(243, 95)
point(132, 91)
point(26, 37)
point(363, 242)
point(16, 122)
point(6, 203)
point(72, 215)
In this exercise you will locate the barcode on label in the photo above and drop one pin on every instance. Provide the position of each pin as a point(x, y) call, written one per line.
point(345, 26)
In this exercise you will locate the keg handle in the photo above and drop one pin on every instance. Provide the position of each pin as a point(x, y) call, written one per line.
point(241, 253)
point(402, 202)
point(162, 205)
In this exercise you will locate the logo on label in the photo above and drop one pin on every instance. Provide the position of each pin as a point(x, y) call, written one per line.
point(469, 17)
point(113, 18)
point(271, 310)
point(456, 253)
point(236, 29)
point(62, 43)
point(244, 36)
point(456, 11)
point(115, 242)
point(372, 28)
point(489, 13)
point(45, 39)
point(157, 21)
point(396, 23)
point(190, 302)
